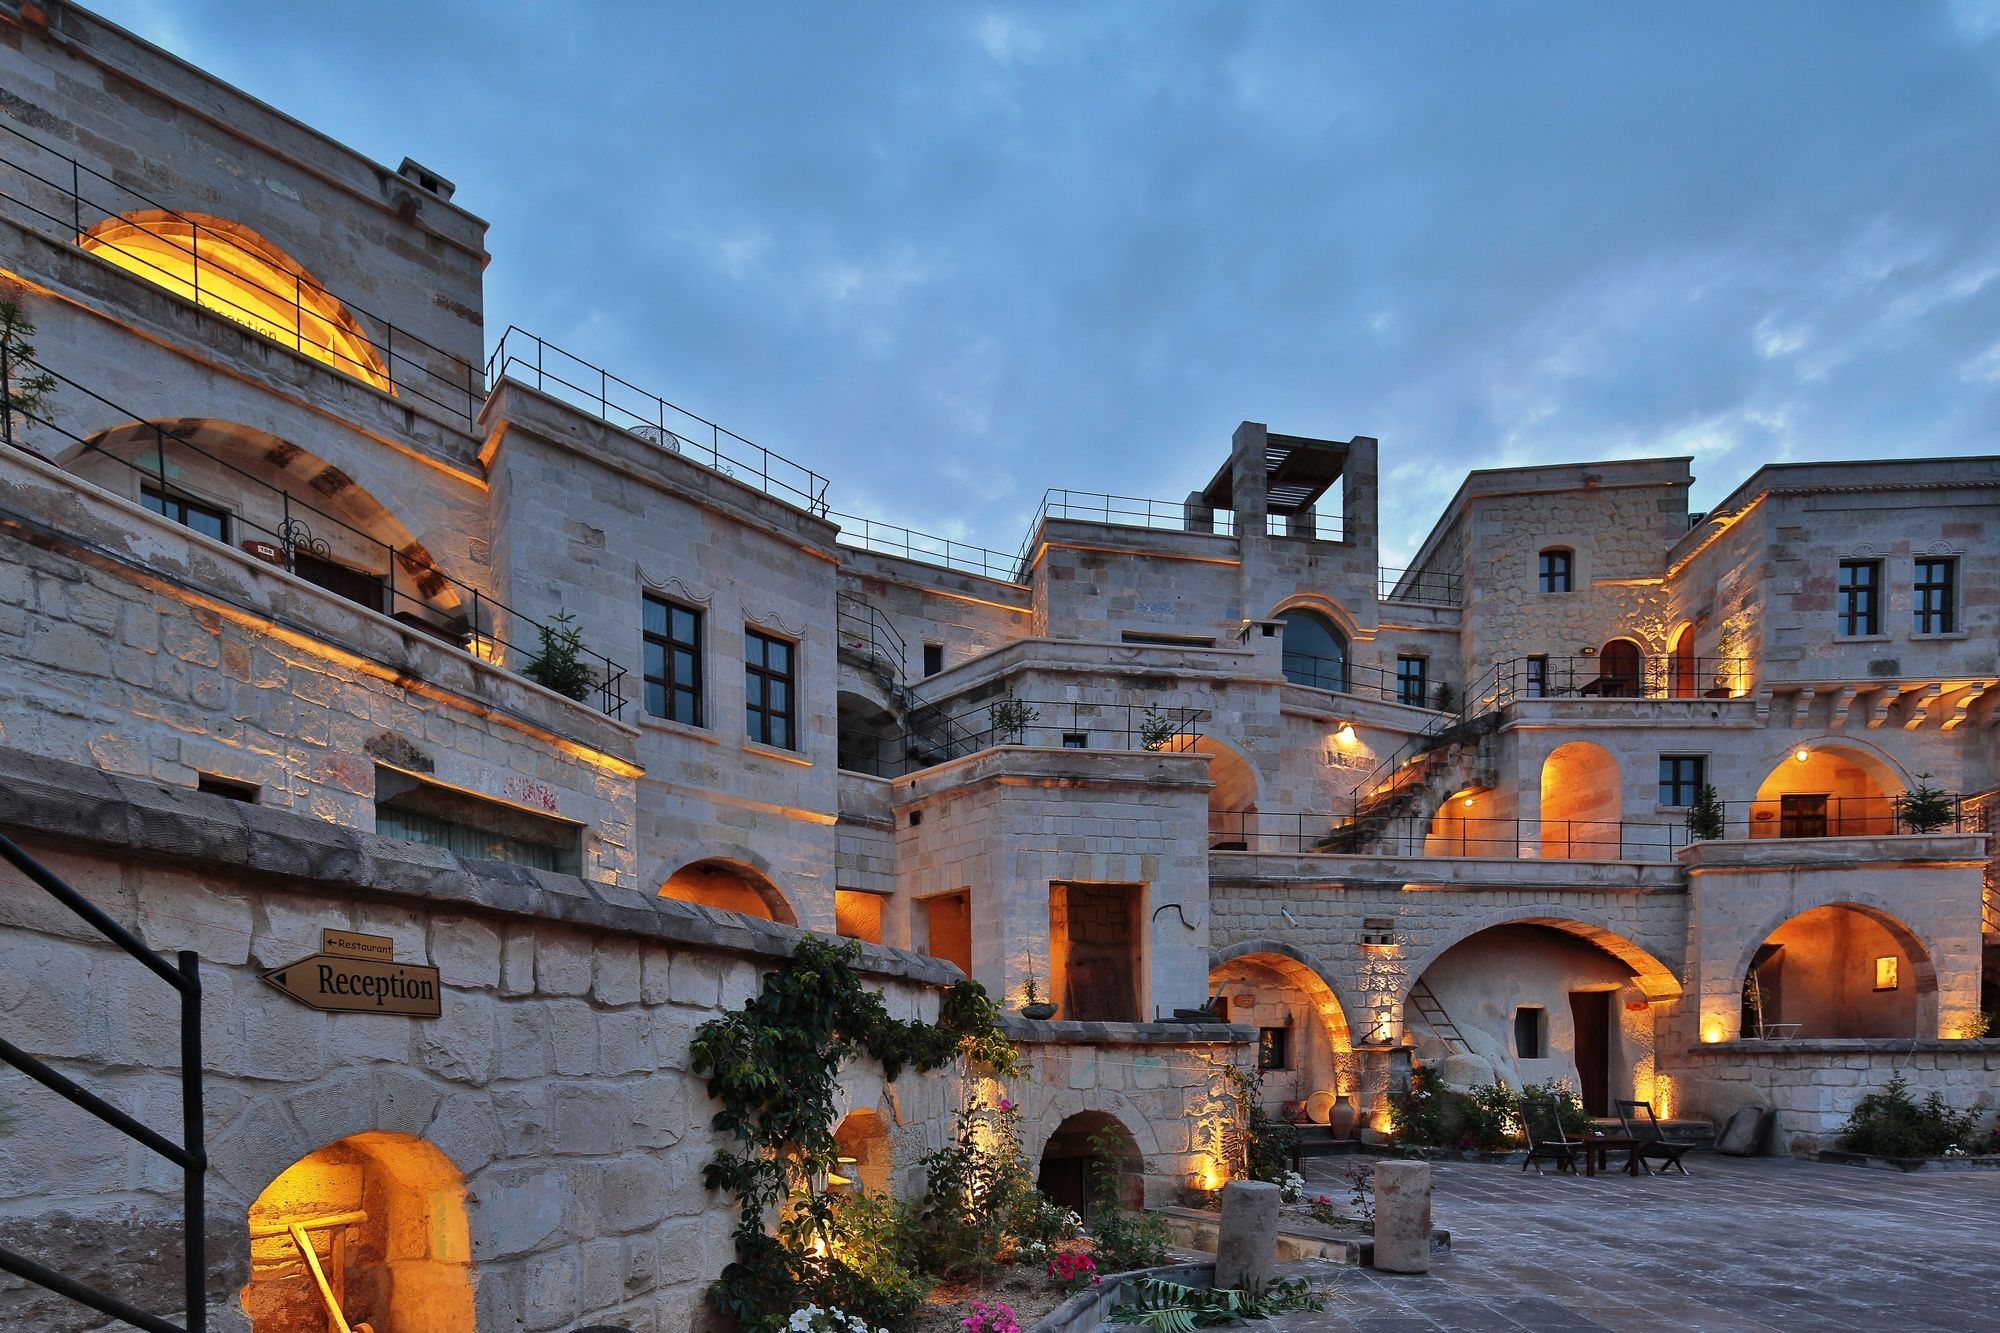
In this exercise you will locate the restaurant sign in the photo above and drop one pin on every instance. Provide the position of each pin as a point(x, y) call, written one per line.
point(356, 974)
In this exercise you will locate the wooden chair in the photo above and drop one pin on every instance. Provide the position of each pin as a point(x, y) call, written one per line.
point(1653, 1141)
point(1541, 1124)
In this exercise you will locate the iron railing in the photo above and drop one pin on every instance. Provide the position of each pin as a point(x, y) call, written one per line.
point(61, 197)
point(866, 631)
point(184, 975)
point(1417, 586)
point(1814, 816)
point(301, 538)
point(940, 734)
point(867, 534)
point(1125, 511)
point(619, 402)
point(1354, 678)
point(1607, 676)
point(1492, 838)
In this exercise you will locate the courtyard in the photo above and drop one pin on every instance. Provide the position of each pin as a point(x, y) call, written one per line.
point(1761, 1243)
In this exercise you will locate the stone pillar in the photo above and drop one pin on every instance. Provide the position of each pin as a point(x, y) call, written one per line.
point(1402, 1217)
point(1246, 1242)
point(1197, 515)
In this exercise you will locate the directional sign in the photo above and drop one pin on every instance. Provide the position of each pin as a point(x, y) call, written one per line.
point(360, 986)
point(349, 944)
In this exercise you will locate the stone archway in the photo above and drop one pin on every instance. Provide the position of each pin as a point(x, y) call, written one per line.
point(1827, 789)
point(1083, 1147)
point(1583, 803)
point(729, 884)
point(1838, 969)
point(1272, 988)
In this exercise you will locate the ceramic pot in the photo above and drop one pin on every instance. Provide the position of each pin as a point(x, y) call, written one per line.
point(1041, 1011)
point(1345, 1113)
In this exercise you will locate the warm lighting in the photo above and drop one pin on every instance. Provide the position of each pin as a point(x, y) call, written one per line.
point(239, 275)
point(1885, 973)
point(1712, 1030)
point(484, 647)
point(1802, 754)
point(1466, 801)
point(1345, 734)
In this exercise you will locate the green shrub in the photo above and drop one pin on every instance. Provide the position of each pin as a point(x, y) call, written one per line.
point(1891, 1123)
point(1486, 1118)
point(558, 664)
point(1125, 1239)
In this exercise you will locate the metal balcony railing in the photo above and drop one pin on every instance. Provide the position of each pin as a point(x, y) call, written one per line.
point(867, 534)
point(1815, 816)
point(1491, 838)
point(866, 631)
point(938, 734)
point(562, 374)
point(48, 190)
point(1371, 682)
point(1612, 676)
point(1419, 588)
point(299, 543)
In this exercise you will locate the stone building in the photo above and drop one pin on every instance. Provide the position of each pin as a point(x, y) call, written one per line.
point(285, 550)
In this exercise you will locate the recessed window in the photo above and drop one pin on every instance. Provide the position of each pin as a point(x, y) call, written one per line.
point(356, 585)
point(933, 658)
point(1530, 1033)
point(1313, 652)
point(413, 810)
point(767, 690)
point(1537, 681)
point(1076, 740)
point(1682, 776)
point(1096, 955)
point(205, 519)
point(247, 792)
point(1274, 1048)
point(1935, 595)
point(1860, 597)
point(1557, 569)
point(1412, 680)
point(673, 661)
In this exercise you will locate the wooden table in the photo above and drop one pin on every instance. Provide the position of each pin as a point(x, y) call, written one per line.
point(1595, 1146)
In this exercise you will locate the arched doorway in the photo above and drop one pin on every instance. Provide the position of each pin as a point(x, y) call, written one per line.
point(1232, 801)
point(1840, 970)
point(1304, 1044)
point(1465, 825)
point(226, 267)
point(1684, 684)
point(383, 1217)
point(862, 1138)
point(1314, 651)
point(730, 886)
point(1083, 1149)
point(1534, 1000)
point(1583, 802)
point(1621, 666)
point(870, 739)
point(1827, 790)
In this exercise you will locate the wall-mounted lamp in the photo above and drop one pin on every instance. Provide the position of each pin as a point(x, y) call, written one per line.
point(1344, 733)
point(1802, 754)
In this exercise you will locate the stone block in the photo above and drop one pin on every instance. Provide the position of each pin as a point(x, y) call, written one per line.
point(1403, 1217)
point(1246, 1246)
point(466, 952)
point(617, 973)
point(563, 963)
point(633, 1194)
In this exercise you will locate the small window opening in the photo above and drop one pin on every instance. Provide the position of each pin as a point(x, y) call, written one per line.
point(249, 793)
point(1076, 740)
point(933, 658)
point(1530, 1033)
point(948, 928)
point(1273, 1048)
point(413, 810)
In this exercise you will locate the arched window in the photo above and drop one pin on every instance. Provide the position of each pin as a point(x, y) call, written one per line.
point(233, 271)
point(1315, 653)
point(1558, 569)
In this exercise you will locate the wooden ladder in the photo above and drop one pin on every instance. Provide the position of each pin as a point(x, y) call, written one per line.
point(1440, 1022)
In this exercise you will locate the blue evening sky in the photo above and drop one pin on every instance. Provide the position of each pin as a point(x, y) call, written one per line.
point(950, 255)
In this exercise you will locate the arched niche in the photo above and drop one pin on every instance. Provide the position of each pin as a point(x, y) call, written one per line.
point(1271, 990)
point(730, 886)
point(1621, 669)
point(1583, 802)
point(1823, 789)
point(226, 267)
point(1840, 970)
point(1314, 650)
point(1232, 801)
point(1682, 677)
point(862, 1140)
point(870, 739)
point(384, 1217)
point(1083, 1146)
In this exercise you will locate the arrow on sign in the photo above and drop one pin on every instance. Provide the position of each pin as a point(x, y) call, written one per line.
point(360, 986)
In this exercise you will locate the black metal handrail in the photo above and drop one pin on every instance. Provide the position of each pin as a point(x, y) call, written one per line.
point(1125, 511)
point(865, 630)
point(1609, 676)
point(1357, 678)
point(619, 402)
point(53, 191)
point(1419, 586)
point(184, 975)
point(1443, 833)
point(1815, 816)
point(867, 534)
point(935, 735)
point(295, 539)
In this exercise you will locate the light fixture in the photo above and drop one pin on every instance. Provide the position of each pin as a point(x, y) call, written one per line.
point(1345, 733)
point(1466, 801)
point(1802, 754)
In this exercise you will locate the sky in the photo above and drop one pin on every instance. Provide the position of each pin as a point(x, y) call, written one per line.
point(950, 255)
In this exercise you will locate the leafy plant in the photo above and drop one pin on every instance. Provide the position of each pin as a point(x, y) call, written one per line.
point(1073, 1269)
point(1010, 719)
point(1891, 1123)
point(1704, 817)
point(1170, 1307)
point(1924, 808)
point(27, 388)
point(1444, 697)
point(1320, 1209)
point(1157, 730)
point(772, 1066)
point(1124, 1239)
point(1485, 1118)
point(558, 664)
point(979, 1194)
point(995, 1318)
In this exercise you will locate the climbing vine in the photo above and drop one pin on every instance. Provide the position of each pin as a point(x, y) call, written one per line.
point(773, 1066)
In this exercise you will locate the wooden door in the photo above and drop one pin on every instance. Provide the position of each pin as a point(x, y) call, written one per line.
point(1591, 1013)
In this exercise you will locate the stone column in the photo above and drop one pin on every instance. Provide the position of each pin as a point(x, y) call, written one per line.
point(1246, 1243)
point(1402, 1217)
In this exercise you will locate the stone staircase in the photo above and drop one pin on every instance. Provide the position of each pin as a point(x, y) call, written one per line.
point(1394, 817)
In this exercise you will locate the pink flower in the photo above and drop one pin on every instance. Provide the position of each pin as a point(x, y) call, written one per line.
point(1006, 1105)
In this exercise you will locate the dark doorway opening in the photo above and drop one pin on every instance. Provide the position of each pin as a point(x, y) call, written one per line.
point(1591, 1013)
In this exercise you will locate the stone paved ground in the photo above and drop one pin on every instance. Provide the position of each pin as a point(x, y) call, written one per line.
point(1743, 1244)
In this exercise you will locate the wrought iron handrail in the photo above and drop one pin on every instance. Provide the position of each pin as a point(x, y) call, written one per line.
point(427, 371)
point(865, 630)
point(1813, 816)
point(1417, 586)
point(1361, 679)
point(939, 736)
point(294, 537)
point(1129, 511)
point(619, 402)
point(1649, 676)
point(1500, 838)
point(867, 534)
point(184, 975)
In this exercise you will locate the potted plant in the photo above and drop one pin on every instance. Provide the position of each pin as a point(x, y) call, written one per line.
point(1924, 808)
point(1032, 1005)
point(1704, 819)
point(1010, 719)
